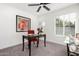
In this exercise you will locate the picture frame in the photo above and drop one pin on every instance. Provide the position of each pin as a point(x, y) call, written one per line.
point(22, 23)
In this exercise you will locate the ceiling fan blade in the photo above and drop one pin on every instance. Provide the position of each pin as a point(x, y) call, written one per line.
point(39, 8)
point(47, 3)
point(33, 4)
point(44, 3)
point(46, 8)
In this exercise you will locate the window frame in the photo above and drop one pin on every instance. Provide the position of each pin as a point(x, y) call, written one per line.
point(62, 35)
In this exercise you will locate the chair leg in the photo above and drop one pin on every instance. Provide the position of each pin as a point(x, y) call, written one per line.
point(28, 44)
point(34, 42)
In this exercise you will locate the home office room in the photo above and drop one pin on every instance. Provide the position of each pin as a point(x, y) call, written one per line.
point(39, 29)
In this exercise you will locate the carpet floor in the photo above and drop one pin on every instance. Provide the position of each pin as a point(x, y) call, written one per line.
point(52, 49)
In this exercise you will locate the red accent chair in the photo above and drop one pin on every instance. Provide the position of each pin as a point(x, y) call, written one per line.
point(33, 39)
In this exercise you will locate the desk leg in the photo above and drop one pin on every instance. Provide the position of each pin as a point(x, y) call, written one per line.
point(29, 47)
point(45, 40)
point(38, 42)
point(23, 44)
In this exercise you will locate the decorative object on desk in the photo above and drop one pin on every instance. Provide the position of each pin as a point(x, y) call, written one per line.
point(39, 30)
point(43, 24)
point(22, 23)
point(41, 27)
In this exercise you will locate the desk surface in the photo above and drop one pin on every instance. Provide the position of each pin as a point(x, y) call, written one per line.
point(34, 35)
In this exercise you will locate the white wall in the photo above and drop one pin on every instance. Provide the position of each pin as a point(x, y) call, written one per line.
point(50, 22)
point(8, 35)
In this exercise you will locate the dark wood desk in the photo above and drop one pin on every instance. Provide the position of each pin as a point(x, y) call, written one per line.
point(28, 37)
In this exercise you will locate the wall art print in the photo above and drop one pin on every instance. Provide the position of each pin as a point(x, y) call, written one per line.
point(22, 23)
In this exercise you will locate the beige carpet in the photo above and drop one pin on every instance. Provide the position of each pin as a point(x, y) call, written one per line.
point(52, 49)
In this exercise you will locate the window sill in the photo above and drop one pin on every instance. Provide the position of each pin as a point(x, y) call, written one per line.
point(60, 35)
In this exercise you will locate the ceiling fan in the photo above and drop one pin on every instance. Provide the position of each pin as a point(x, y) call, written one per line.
point(40, 5)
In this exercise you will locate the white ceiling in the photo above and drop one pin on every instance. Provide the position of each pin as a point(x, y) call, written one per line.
point(33, 9)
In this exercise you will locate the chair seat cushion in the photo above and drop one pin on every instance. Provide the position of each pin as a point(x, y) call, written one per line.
point(76, 41)
point(76, 51)
point(72, 48)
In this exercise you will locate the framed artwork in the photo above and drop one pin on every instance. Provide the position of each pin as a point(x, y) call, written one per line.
point(22, 23)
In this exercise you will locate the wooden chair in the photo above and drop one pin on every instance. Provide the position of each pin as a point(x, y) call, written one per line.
point(30, 32)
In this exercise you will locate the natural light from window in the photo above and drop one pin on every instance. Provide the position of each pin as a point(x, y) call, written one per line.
point(65, 24)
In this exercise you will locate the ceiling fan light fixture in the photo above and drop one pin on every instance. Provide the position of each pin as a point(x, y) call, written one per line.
point(40, 5)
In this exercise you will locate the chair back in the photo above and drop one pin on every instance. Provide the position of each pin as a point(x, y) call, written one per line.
point(30, 31)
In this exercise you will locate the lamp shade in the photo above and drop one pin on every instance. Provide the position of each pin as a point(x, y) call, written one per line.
point(43, 24)
point(67, 39)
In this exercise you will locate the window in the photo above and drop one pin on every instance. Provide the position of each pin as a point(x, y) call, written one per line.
point(65, 24)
